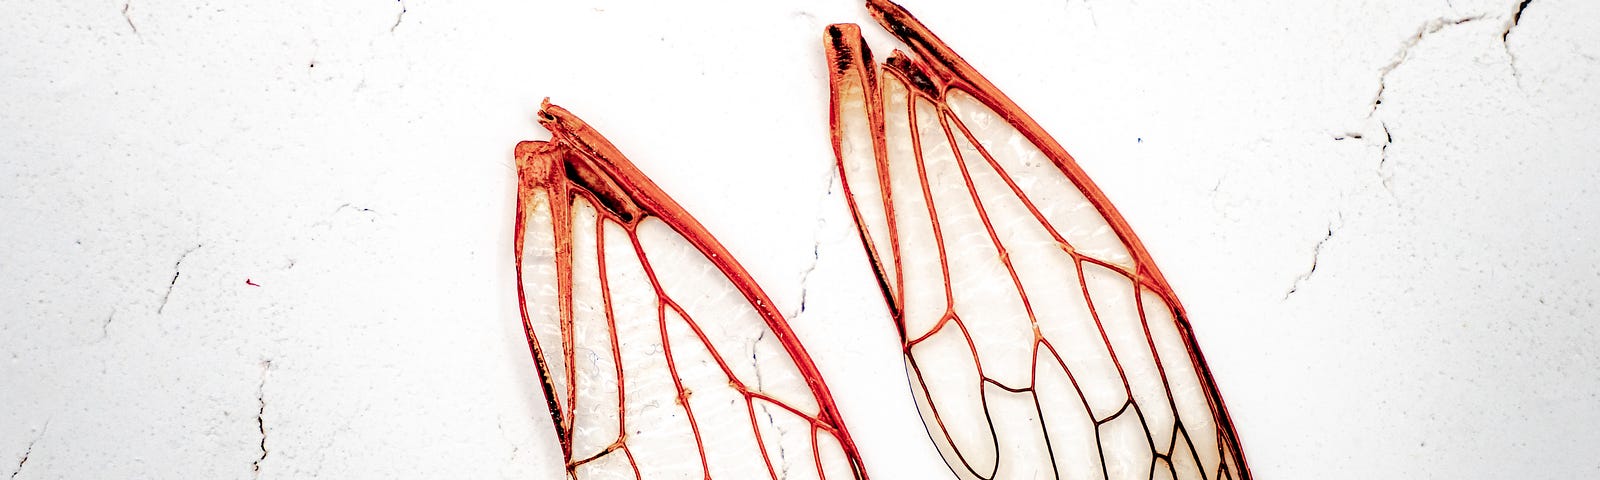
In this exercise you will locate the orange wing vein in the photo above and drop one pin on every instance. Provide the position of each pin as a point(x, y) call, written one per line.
point(1040, 338)
point(658, 355)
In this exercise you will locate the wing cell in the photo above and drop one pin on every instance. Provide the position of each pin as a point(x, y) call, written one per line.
point(925, 279)
point(1060, 207)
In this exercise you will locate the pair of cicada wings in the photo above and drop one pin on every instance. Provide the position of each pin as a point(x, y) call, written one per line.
point(658, 355)
point(1039, 338)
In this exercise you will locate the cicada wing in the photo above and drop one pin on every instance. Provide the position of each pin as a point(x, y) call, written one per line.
point(659, 356)
point(1040, 339)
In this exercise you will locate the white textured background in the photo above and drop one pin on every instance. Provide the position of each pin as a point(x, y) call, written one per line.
point(1419, 303)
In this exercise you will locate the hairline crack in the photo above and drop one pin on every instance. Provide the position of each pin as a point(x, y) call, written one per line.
point(176, 271)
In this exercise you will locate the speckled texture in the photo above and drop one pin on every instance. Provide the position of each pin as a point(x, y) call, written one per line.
point(354, 162)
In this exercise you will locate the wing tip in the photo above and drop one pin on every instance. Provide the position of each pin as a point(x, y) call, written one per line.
point(894, 18)
point(837, 31)
point(535, 161)
point(556, 119)
point(845, 48)
point(880, 9)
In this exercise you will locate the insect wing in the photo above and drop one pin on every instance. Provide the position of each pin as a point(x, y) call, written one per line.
point(1040, 339)
point(657, 353)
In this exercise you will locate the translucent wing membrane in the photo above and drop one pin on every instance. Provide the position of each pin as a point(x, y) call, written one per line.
point(1039, 337)
point(658, 355)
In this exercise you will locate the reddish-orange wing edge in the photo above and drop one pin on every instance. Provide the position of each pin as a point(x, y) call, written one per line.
point(577, 157)
point(851, 61)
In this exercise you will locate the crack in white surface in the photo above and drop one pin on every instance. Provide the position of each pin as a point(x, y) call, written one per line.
point(782, 451)
point(833, 180)
point(398, 17)
point(261, 423)
point(105, 327)
point(1385, 174)
point(1427, 28)
point(515, 448)
point(816, 245)
point(1316, 257)
point(176, 271)
point(348, 205)
point(125, 7)
point(1511, 22)
point(327, 222)
point(755, 363)
point(1515, 18)
point(805, 277)
point(28, 452)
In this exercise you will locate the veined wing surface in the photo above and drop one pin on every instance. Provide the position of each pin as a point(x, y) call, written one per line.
point(658, 355)
point(1039, 337)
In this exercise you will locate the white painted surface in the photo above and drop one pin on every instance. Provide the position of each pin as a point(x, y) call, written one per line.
point(358, 170)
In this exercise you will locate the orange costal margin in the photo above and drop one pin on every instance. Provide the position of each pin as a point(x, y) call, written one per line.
point(578, 162)
point(932, 70)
